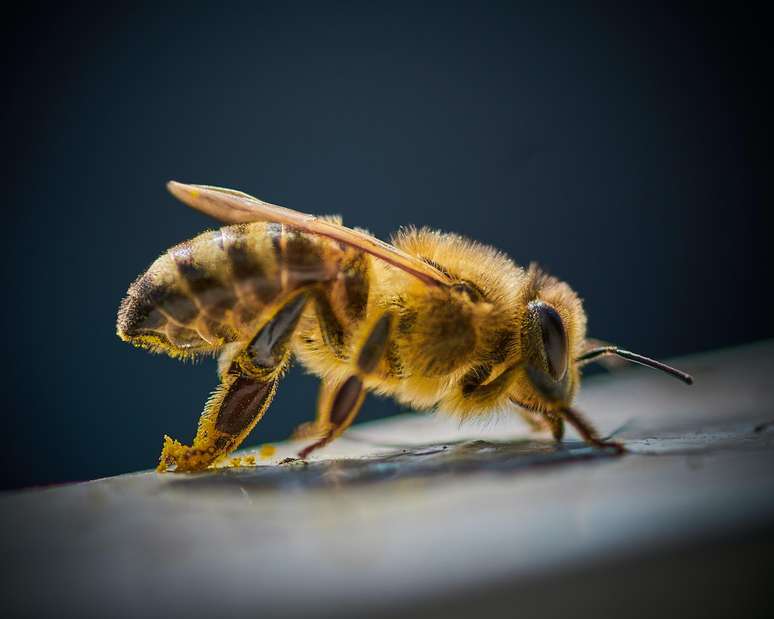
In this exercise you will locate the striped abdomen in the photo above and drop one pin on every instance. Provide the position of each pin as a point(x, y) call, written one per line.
point(212, 289)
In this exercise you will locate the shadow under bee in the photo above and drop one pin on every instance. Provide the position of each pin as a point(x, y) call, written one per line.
point(416, 462)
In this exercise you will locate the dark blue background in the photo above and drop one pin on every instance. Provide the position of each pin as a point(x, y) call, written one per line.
point(624, 149)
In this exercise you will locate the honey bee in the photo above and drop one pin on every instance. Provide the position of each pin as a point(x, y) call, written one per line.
point(434, 320)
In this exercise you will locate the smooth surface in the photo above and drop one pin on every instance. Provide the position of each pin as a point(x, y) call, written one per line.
point(416, 514)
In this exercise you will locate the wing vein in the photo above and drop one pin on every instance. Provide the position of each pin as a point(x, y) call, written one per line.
point(231, 206)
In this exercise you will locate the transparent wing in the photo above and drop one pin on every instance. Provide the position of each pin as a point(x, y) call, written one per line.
point(230, 206)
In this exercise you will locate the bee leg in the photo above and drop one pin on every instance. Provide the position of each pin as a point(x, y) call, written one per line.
point(344, 408)
point(347, 399)
point(587, 431)
point(489, 394)
point(536, 422)
point(321, 425)
point(246, 390)
point(333, 335)
point(556, 425)
point(541, 421)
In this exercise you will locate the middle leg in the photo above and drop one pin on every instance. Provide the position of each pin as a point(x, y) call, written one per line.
point(337, 408)
point(321, 424)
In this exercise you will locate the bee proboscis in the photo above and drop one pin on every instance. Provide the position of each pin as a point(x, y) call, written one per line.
point(433, 319)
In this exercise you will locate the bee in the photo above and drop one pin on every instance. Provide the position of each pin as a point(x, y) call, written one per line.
point(434, 320)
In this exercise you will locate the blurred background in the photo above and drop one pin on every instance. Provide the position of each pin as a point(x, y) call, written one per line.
point(625, 149)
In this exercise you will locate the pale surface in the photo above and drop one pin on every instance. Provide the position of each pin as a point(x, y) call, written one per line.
point(419, 515)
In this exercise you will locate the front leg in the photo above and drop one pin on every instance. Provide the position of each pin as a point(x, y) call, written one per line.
point(587, 431)
point(539, 421)
point(476, 391)
point(477, 394)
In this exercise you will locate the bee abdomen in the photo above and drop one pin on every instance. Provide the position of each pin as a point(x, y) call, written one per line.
point(212, 290)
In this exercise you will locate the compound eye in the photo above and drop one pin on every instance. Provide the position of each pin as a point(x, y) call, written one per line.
point(554, 339)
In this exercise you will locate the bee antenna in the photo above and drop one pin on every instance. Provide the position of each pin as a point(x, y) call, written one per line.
point(604, 351)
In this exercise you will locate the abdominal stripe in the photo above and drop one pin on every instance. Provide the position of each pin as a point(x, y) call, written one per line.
point(215, 297)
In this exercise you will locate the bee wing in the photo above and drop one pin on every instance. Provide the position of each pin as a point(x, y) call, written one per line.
point(231, 206)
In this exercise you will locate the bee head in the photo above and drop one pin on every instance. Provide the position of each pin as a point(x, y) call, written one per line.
point(549, 362)
point(546, 351)
point(554, 347)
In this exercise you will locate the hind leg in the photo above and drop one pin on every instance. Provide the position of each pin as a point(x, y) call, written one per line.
point(247, 388)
